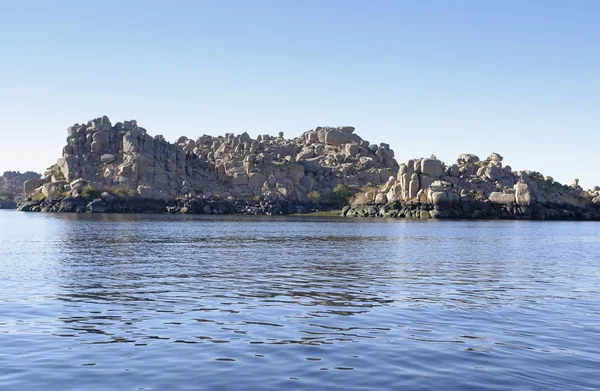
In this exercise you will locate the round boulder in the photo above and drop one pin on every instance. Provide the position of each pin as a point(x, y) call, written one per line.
point(107, 158)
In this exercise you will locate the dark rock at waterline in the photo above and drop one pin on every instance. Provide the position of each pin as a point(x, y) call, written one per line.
point(212, 205)
point(72, 205)
point(193, 205)
point(476, 209)
point(96, 206)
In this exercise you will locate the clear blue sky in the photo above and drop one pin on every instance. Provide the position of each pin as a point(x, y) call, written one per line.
point(521, 78)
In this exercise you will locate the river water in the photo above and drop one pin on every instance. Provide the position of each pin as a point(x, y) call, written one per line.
point(158, 302)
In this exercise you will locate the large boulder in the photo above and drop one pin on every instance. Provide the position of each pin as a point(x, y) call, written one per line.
point(72, 204)
point(311, 137)
point(494, 173)
point(405, 185)
point(96, 206)
point(431, 167)
point(130, 143)
point(352, 150)
point(438, 198)
point(311, 165)
point(495, 157)
point(426, 180)
point(347, 129)
point(305, 154)
point(337, 137)
point(501, 198)
point(244, 137)
point(413, 186)
point(295, 172)
point(454, 171)
point(107, 158)
point(307, 182)
point(67, 166)
point(101, 137)
point(467, 158)
point(395, 193)
point(442, 195)
point(381, 199)
point(402, 170)
point(522, 194)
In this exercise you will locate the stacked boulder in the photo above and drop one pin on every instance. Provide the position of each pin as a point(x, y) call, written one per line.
point(122, 159)
point(474, 188)
point(594, 195)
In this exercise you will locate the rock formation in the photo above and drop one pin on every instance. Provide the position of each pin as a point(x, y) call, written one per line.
point(121, 168)
point(474, 188)
point(11, 187)
point(123, 160)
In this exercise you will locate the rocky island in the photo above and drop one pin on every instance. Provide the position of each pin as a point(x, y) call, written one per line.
point(121, 168)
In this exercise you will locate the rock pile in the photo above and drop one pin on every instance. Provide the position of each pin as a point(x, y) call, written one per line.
point(474, 188)
point(121, 168)
point(594, 195)
point(122, 160)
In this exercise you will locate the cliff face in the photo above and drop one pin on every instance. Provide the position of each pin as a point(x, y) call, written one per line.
point(474, 188)
point(123, 158)
point(11, 187)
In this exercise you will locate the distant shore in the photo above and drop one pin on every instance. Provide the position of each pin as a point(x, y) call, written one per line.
point(8, 204)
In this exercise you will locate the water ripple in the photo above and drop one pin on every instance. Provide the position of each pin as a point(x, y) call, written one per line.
point(131, 302)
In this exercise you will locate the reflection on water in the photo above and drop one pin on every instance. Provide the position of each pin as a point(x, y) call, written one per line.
point(129, 302)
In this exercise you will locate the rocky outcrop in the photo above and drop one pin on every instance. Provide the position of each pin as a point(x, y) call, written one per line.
point(124, 161)
point(121, 168)
point(11, 187)
point(474, 189)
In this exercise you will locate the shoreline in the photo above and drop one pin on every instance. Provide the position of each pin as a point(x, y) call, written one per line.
point(466, 210)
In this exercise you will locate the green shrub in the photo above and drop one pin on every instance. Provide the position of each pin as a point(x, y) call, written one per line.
point(123, 191)
point(37, 196)
point(59, 174)
point(89, 193)
point(476, 196)
point(314, 196)
point(56, 194)
point(360, 198)
point(6, 195)
point(281, 164)
point(339, 196)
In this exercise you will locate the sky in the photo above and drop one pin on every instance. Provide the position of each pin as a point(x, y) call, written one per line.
point(521, 78)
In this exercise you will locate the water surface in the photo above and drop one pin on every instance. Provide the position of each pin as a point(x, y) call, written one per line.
point(153, 302)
